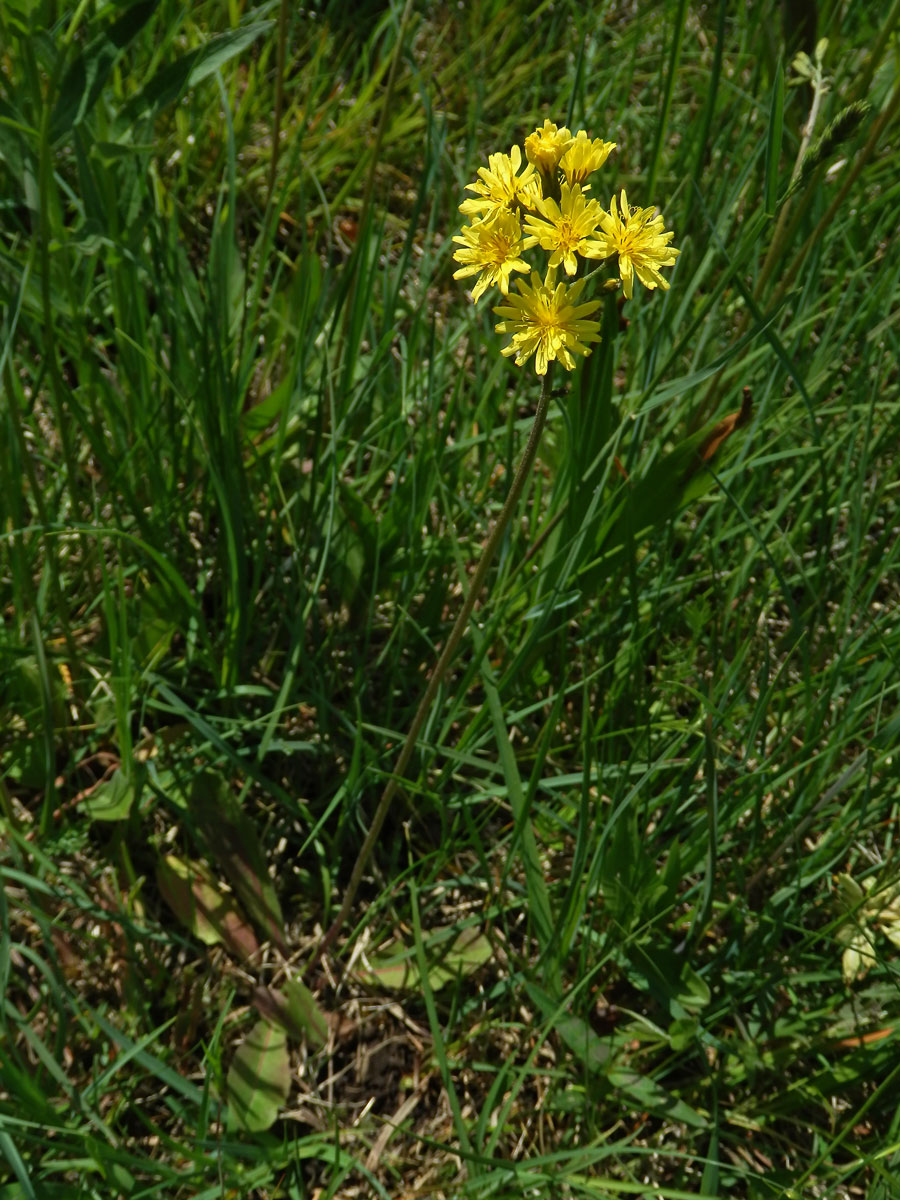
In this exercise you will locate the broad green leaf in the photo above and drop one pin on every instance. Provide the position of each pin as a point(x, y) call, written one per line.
point(589, 1049)
point(259, 1078)
point(191, 892)
point(306, 1012)
point(645, 1093)
point(232, 840)
point(297, 1012)
point(112, 799)
point(448, 958)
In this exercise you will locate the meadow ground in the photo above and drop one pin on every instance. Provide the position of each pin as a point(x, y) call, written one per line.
point(631, 924)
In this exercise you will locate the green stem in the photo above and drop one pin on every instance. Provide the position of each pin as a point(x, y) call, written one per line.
point(440, 669)
point(779, 236)
point(854, 169)
point(280, 56)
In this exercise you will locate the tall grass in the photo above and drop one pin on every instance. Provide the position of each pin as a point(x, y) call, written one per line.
point(253, 437)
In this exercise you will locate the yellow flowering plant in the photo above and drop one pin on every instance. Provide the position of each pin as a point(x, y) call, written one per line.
point(519, 207)
point(544, 202)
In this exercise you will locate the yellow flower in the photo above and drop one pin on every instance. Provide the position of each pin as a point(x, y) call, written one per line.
point(585, 156)
point(546, 146)
point(501, 188)
point(639, 239)
point(546, 321)
point(492, 247)
point(564, 228)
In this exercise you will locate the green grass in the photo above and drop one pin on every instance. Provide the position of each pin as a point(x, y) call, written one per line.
point(253, 438)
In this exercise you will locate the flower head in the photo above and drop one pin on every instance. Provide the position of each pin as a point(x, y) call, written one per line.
point(501, 188)
point(565, 228)
point(584, 156)
point(640, 240)
point(546, 321)
point(546, 146)
point(493, 248)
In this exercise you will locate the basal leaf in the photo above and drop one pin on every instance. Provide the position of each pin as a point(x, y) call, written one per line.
point(231, 839)
point(644, 1092)
point(112, 799)
point(259, 1078)
point(191, 892)
point(448, 958)
point(306, 1012)
point(589, 1049)
point(297, 1012)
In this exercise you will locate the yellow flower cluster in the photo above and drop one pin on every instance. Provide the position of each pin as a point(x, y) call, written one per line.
point(545, 202)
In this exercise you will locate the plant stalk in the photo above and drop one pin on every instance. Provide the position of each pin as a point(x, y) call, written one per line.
point(280, 58)
point(440, 669)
